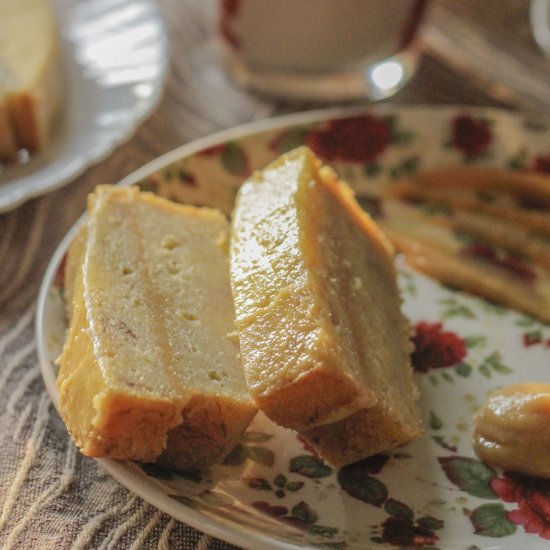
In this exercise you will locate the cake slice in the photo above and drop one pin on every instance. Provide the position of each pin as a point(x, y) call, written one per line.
point(324, 344)
point(150, 369)
point(30, 75)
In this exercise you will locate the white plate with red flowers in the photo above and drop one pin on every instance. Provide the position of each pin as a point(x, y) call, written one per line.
point(273, 492)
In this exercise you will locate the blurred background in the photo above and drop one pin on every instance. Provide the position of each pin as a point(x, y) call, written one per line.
point(472, 53)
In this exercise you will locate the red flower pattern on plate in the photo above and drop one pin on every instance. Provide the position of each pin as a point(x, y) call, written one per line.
point(512, 265)
point(541, 163)
point(232, 155)
point(532, 496)
point(435, 347)
point(401, 531)
point(229, 9)
point(356, 139)
point(212, 151)
point(59, 279)
point(472, 136)
point(310, 449)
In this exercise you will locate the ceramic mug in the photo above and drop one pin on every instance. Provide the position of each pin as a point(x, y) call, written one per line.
point(321, 49)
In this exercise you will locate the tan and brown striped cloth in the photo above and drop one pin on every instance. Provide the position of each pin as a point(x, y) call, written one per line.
point(51, 496)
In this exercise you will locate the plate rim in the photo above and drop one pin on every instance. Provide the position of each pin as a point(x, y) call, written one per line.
point(18, 195)
point(232, 533)
point(302, 117)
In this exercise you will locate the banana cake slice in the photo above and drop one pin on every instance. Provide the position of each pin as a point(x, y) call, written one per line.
point(150, 369)
point(324, 344)
point(31, 75)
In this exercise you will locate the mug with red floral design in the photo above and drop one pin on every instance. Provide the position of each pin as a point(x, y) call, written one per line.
point(325, 50)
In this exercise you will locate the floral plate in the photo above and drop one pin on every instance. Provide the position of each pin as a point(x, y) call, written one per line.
point(273, 492)
point(107, 95)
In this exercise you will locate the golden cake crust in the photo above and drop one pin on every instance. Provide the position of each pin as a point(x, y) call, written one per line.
point(364, 433)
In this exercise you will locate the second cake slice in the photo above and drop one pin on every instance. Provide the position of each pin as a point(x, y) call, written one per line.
point(323, 340)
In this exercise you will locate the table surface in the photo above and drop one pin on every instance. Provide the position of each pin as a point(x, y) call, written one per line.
point(473, 53)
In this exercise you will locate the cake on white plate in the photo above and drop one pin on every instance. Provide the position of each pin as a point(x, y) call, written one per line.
point(31, 75)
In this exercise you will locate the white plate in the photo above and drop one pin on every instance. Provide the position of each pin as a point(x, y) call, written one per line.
point(115, 55)
point(274, 494)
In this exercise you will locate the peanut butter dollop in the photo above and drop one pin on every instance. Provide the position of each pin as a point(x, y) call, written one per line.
point(512, 429)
